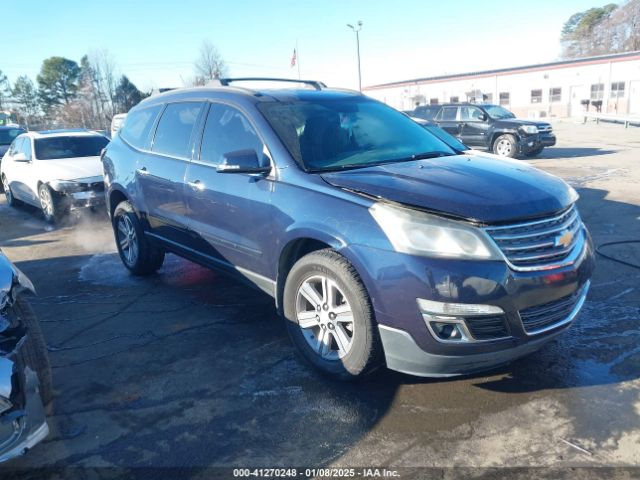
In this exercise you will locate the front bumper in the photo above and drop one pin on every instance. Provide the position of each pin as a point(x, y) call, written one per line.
point(21, 429)
point(530, 143)
point(84, 199)
point(394, 282)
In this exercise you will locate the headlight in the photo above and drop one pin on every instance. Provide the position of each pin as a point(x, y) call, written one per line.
point(417, 233)
point(64, 185)
point(529, 129)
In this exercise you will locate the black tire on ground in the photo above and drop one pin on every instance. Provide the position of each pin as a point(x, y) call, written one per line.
point(11, 200)
point(52, 210)
point(365, 354)
point(534, 153)
point(146, 258)
point(34, 350)
point(505, 145)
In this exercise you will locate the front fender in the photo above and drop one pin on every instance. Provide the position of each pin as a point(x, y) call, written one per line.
point(12, 282)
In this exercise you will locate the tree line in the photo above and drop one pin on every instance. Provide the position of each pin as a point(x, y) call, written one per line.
point(67, 94)
point(612, 28)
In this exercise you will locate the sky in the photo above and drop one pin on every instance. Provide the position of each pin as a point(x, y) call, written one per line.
point(155, 43)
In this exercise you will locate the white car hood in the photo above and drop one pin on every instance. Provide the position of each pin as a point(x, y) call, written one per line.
point(69, 168)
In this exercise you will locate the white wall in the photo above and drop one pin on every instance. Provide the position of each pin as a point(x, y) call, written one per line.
point(574, 80)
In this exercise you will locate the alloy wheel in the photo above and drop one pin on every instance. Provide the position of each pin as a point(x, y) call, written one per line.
point(46, 202)
point(128, 240)
point(7, 191)
point(325, 317)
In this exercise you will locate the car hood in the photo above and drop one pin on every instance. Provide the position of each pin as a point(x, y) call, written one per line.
point(511, 122)
point(473, 187)
point(69, 168)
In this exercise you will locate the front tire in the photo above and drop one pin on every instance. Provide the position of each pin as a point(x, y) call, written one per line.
point(34, 351)
point(50, 205)
point(505, 146)
point(136, 252)
point(329, 316)
point(8, 194)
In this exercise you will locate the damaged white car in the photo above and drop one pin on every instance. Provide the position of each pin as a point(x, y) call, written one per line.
point(25, 373)
point(54, 170)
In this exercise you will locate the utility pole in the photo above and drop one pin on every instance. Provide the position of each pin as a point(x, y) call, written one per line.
point(356, 30)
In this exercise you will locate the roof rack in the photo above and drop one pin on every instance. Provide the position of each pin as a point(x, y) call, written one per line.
point(314, 83)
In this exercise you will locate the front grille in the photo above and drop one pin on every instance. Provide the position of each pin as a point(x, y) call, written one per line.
point(544, 128)
point(543, 317)
point(487, 328)
point(539, 244)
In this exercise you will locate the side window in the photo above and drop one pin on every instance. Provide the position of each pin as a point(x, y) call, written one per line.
point(174, 133)
point(137, 126)
point(227, 130)
point(448, 114)
point(16, 146)
point(26, 148)
point(470, 114)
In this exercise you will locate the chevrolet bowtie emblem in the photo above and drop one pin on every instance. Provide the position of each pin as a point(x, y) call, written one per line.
point(564, 240)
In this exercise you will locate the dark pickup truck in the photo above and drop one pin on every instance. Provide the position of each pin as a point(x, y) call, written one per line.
point(490, 126)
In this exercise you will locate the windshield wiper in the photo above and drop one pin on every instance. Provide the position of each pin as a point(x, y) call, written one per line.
point(352, 166)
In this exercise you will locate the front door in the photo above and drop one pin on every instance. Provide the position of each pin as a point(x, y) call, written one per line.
point(160, 174)
point(473, 130)
point(447, 119)
point(228, 212)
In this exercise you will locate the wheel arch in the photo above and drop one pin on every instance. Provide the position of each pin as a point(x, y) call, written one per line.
point(294, 249)
point(503, 131)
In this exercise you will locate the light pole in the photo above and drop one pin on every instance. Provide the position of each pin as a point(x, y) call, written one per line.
point(357, 32)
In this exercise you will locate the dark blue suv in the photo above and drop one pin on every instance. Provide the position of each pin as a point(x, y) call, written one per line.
point(378, 241)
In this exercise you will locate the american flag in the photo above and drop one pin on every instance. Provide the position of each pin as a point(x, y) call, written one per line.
point(293, 58)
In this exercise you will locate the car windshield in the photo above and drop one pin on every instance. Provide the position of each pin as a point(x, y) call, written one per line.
point(69, 147)
point(497, 112)
point(7, 135)
point(327, 134)
point(447, 138)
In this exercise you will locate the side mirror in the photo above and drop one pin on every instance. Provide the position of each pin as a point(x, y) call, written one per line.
point(242, 161)
point(20, 157)
point(482, 117)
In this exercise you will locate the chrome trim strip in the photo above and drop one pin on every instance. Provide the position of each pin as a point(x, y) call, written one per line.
point(570, 317)
point(534, 222)
point(558, 228)
point(264, 283)
point(579, 249)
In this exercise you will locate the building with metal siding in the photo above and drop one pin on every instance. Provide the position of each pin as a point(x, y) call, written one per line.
point(610, 83)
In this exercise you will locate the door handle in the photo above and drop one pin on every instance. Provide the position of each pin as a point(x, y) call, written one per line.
point(197, 185)
point(142, 171)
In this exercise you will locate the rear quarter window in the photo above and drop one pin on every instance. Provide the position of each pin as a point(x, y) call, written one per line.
point(137, 126)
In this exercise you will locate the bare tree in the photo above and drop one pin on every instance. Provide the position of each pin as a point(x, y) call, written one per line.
point(210, 63)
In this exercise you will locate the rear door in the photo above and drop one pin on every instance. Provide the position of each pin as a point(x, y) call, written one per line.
point(228, 212)
point(473, 130)
point(447, 119)
point(160, 173)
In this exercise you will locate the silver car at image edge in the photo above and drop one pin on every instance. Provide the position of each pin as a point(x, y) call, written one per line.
point(25, 373)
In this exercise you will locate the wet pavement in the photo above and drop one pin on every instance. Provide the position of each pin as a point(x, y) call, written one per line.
point(191, 369)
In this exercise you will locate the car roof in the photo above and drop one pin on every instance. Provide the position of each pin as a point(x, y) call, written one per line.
point(252, 95)
point(67, 132)
point(12, 126)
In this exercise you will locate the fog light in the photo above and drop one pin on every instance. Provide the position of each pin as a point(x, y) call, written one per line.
point(447, 331)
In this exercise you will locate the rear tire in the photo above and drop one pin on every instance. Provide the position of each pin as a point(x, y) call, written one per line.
point(34, 351)
point(505, 146)
point(333, 324)
point(8, 194)
point(136, 252)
